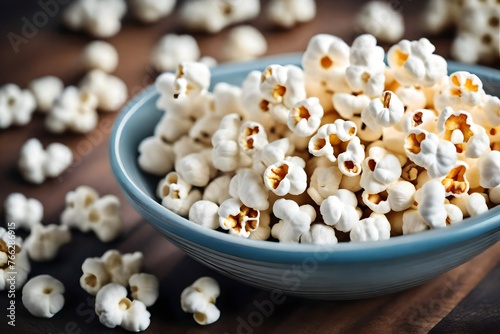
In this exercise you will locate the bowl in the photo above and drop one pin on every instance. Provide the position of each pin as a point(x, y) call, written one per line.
point(341, 271)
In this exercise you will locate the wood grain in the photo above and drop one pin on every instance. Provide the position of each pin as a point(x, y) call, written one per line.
point(56, 51)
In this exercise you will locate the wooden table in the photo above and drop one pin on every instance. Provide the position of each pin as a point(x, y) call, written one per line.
point(463, 300)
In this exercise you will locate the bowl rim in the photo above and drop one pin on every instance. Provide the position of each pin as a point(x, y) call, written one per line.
point(395, 247)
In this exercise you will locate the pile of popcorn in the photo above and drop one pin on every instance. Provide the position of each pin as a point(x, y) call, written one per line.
point(346, 148)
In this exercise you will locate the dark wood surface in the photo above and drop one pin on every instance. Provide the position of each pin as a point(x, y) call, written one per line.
point(463, 300)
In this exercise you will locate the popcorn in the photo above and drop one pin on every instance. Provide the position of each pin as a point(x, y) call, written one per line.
point(413, 222)
point(349, 105)
point(412, 98)
point(100, 55)
point(256, 106)
point(431, 204)
point(99, 18)
point(456, 183)
point(381, 20)
point(173, 49)
point(155, 156)
point(176, 193)
point(463, 91)
point(329, 138)
point(144, 287)
point(205, 213)
point(87, 211)
point(442, 14)
point(319, 234)
point(213, 15)
point(75, 110)
point(400, 195)
point(364, 132)
point(45, 240)
point(383, 112)
point(252, 137)
point(305, 117)
point(270, 154)
point(16, 106)
point(226, 154)
point(374, 228)
point(22, 267)
point(421, 118)
point(248, 187)
point(149, 11)
point(46, 90)
point(489, 169)
point(25, 212)
point(238, 218)
point(199, 299)
point(325, 181)
point(380, 169)
point(491, 110)
point(414, 63)
point(244, 43)
point(339, 210)
point(349, 162)
point(172, 127)
point(286, 177)
point(378, 203)
point(36, 164)
point(294, 220)
point(196, 168)
point(43, 296)
point(287, 13)
point(476, 204)
point(217, 191)
point(111, 91)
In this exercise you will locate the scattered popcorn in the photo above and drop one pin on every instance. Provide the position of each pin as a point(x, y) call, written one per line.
point(45, 240)
point(87, 211)
point(99, 18)
point(294, 220)
point(149, 11)
point(43, 296)
point(144, 287)
point(114, 309)
point(100, 55)
point(244, 43)
point(46, 90)
point(173, 49)
point(111, 91)
point(287, 13)
point(442, 14)
point(74, 110)
point(199, 298)
point(213, 15)
point(25, 212)
point(16, 106)
point(36, 164)
point(381, 20)
point(22, 268)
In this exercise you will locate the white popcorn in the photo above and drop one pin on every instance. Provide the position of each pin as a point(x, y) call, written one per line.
point(256, 106)
point(16, 106)
point(349, 105)
point(489, 169)
point(144, 287)
point(43, 296)
point(453, 214)
point(412, 98)
point(25, 212)
point(226, 154)
point(374, 228)
point(22, 264)
point(155, 156)
point(459, 128)
point(100, 18)
point(286, 177)
point(191, 77)
point(364, 132)
point(95, 275)
point(414, 63)
point(45, 240)
point(462, 91)
point(36, 164)
point(381, 20)
point(421, 118)
point(176, 194)
point(46, 90)
point(238, 218)
point(385, 111)
point(339, 210)
point(413, 222)
point(270, 154)
point(380, 169)
point(326, 142)
point(263, 231)
point(365, 75)
point(325, 181)
point(87, 211)
point(491, 110)
point(111, 91)
point(227, 99)
point(456, 183)
point(428, 151)
point(431, 204)
point(205, 213)
point(305, 117)
point(248, 187)
point(213, 15)
point(244, 43)
point(349, 162)
point(217, 191)
point(172, 127)
point(294, 220)
point(442, 14)
point(121, 266)
point(287, 13)
point(400, 195)
point(100, 55)
point(252, 137)
point(494, 195)
point(476, 204)
point(114, 309)
point(173, 49)
point(195, 169)
point(149, 11)
point(199, 298)
point(319, 234)
point(73, 110)
point(378, 203)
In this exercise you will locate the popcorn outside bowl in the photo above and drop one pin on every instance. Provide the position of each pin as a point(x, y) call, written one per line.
point(340, 271)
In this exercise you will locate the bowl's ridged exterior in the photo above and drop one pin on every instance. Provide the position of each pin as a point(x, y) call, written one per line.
point(343, 271)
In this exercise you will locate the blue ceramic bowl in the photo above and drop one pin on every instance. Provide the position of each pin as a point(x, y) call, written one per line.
point(341, 271)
